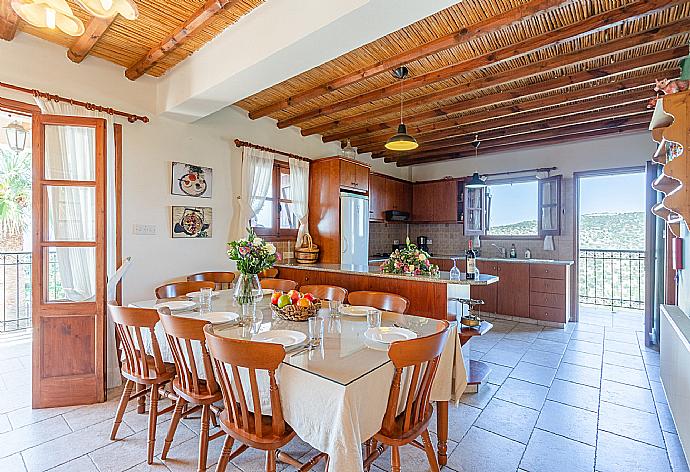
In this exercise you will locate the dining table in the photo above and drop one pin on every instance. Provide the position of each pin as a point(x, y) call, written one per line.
point(333, 394)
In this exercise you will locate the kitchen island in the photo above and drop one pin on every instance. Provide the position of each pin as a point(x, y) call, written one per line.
point(428, 295)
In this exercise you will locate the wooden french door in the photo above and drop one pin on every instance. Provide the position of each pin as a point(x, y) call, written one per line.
point(69, 260)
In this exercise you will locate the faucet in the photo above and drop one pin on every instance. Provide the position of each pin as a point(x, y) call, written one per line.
point(501, 250)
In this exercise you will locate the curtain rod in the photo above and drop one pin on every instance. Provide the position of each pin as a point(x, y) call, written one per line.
point(538, 169)
point(239, 143)
point(89, 106)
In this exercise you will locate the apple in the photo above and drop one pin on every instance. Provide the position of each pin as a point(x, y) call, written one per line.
point(283, 301)
point(303, 302)
point(309, 297)
point(294, 296)
point(276, 295)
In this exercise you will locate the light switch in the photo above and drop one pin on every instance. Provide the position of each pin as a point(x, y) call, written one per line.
point(144, 230)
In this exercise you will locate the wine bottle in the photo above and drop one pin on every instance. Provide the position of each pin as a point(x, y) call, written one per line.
point(471, 257)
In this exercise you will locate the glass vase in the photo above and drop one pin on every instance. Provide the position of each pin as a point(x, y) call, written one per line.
point(247, 293)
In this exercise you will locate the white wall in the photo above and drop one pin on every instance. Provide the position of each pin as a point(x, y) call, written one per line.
point(148, 150)
point(599, 153)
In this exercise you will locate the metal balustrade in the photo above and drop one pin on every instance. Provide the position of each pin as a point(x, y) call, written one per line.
point(612, 277)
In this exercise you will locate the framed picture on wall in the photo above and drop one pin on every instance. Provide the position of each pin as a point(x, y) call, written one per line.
point(192, 222)
point(190, 180)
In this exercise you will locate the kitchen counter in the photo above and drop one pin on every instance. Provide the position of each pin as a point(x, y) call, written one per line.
point(374, 271)
point(491, 259)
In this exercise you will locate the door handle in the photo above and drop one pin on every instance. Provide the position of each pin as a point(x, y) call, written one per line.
point(344, 250)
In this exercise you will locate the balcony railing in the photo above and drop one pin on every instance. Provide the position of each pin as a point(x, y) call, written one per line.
point(15, 290)
point(612, 277)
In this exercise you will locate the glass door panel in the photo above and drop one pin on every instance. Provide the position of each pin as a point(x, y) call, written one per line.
point(71, 213)
point(70, 153)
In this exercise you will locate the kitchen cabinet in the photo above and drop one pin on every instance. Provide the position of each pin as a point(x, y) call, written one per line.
point(488, 293)
point(549, 287)
point(435, 202)
point(378, 197)
point(354, 176)
point(398, 195)
point(513, 289)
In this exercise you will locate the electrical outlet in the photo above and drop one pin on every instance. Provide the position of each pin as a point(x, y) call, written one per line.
point(144, 230)
point(288, 255)
point(429, 241)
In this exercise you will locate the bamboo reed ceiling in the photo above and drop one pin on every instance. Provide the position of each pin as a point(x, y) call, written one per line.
point(571, 39)
point(126, 42)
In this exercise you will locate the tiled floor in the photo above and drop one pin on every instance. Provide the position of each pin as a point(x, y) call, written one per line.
point(587, 398)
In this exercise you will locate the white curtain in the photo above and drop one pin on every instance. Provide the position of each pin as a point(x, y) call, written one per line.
point(257, 168)
point(70, 155)
point(299, 194)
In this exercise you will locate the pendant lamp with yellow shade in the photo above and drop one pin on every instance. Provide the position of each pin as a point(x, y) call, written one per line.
point(401, 141)
point(49, 14)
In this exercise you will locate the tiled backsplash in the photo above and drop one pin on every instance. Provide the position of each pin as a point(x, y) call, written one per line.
point(448, 239)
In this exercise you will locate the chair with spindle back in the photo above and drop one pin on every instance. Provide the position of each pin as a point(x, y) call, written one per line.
point(178, 289)
point(188, 346)
point(242, 419)
point(284, 285)
point(268, 273)
point(381, 300)
point(223, 280)
point(133, 325)
point(325, 292)
point(419, 359)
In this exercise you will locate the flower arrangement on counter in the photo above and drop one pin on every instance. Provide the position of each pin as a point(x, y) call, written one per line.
point(410, 260)
point(252, 254)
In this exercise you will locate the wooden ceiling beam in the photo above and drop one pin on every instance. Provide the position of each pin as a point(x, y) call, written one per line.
point(209, 9)
point(578, 78)
point(85, 43)
point(487, 26)
point(8, 21)
point(485, 133)
point(639, 87)
point(595, 23)
point(638, 40)
point(574, 126)
point(584, 136)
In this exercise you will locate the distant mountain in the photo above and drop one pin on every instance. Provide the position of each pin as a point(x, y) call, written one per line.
point(597, 231)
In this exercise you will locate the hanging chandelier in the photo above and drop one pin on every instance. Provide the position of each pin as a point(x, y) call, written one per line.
point(476, 180)
point(109, 8)
point(348, 151)
point(401, 141)
point(49, 14)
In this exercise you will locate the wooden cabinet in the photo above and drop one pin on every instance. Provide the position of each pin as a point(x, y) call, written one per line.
point(488, 293)
point(549, 291)
point(378, 197)
point(399, 195)
point(354, 176)
point(435, 202)
point(513, 289)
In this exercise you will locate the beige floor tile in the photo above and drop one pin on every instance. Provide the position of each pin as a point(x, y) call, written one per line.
point(80, 464)
point(5, 424)
point(13, 463)
point(489, 452)
point(579, 374)
point(549, 346)
point(498, 374)
point(460, 419)
point(523, 393)
point(569, 421)
point(504, 357)
point(623, 348)
point(624, 375)
point(508, 419)
point(544, 358)
point(533, 373)
point(624, 360)
point(27, 415)
point(574, 394)
point(183, 456)
point(481, 398)
point(411, 458)
point(68, 447)
point(551, 452)
point(634, 424)
point(582, 358)
point(627, 395)
point(32, 435)
point(617, 454)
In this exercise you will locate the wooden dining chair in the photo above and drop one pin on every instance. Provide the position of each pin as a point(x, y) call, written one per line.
point(178, 289)
point(284, 285)
point(223, 280)
point(268, 273)
point(419, 359)
point(381, 300)
point(325, 292)
point(133, 325)
point(243, 419)
point(188, 346)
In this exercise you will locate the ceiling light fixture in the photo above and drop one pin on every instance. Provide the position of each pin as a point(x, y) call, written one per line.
point(476, 181)
point(49, 14)
point(348, 151)
point(401, 141)
point(16, 136)
point(109, 8)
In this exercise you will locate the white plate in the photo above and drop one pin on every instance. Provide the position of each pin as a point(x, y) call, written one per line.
point(286, 337)
point(267, 291)
point(218, 317)
point(355, 310)
point(176, 305)
point(196, 295)
point(389, 334)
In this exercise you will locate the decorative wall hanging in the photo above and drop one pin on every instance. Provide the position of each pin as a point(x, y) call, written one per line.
point(191, 181)
point(192, 222)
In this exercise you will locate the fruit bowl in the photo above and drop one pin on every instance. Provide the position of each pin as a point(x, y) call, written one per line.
point(297, 313)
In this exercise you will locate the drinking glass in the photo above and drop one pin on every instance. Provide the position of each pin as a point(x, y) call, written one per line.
point(335, 307)
point(205, 300)
point(454, 271)
point(315, 330)
point(374, 318)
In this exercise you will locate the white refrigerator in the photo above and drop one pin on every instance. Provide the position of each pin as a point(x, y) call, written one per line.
point(354, 229)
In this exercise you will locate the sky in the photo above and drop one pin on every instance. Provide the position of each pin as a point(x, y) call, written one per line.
point(606, 194)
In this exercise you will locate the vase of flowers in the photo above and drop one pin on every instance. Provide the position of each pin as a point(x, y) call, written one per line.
point(252, 255)
point(410, 260)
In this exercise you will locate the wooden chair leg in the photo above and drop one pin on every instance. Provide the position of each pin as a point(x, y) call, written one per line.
point(141, 401)
point(153, 418)
point(177, 414)
point(430, 453)
point(214, 419)
point(121, 407)
point(225, 454)
point(203, 437)
point(271, 461)
point(395, 459)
